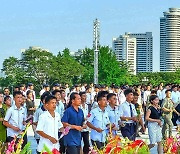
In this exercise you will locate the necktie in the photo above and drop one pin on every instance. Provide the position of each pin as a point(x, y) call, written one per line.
point(131, 110)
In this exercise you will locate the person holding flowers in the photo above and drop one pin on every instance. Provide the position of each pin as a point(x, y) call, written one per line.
point(128, 115)
point(154, 123)
point(38, 112)
point(99, 122)
point(139, 111)
point(74, 119)
point(85, 131)
point(113, 112)
point(49, 125)
point(15, 119)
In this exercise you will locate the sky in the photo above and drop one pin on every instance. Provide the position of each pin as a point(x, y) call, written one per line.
point(56, 24)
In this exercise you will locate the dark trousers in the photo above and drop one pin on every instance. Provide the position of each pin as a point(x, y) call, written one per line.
point(129, 131)
point(98, 144)
point(9, 139)
point(137, 128)
point(89, 107)
point(73, 149)
point(160, 102)
point(61, 142)
point(85, 137)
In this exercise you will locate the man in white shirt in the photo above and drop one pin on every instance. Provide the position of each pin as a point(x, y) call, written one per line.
point(128, 115)
point(94, 93)
point(85, 131)
point(159, 94)
point(83, 87)
point(88, 98)
point(117, 92)
point(45, 88)
point(38, 112)
point(164, 90)
point(49, 125)
point(146, 95)
point(67, 90)
point(22, 88)
point(31, 88)
point(175, 95)
point(77, 88)
point(15, 119)
point(120, 95)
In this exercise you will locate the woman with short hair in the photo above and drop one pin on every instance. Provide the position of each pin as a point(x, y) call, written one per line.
point(154, 123)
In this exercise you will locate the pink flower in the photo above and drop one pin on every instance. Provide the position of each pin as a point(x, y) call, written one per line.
point(11, 146)
point(88, 115)
point(8, 152)
point(92, 151)
point(30, 121)
point(65, 132)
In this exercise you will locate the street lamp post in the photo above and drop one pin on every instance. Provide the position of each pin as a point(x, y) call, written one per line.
point(96, 37)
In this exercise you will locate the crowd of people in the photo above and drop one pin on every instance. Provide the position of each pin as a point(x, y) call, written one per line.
point(89, 113)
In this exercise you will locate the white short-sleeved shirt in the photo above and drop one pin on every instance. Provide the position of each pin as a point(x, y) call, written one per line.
point(49, 125)
point(85, 112)
point(124, 110)
point(120, 97)
point(42, 91)
point(160, 94)
point(163, 93)
point(146, 94)
point(99, 119)
point(88, 98)
point(93, 94)
point(15, 117)
point(175, 97)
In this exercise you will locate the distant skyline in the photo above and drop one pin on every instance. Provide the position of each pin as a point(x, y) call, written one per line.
point(54, 25)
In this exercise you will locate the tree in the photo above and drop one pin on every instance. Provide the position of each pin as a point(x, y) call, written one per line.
point(86, 59)
point(36, 64)
point(110, 70)
point(65, 69)
point(13, 71)
point(155, 78)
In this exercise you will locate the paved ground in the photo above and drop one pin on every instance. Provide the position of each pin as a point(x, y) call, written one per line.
point(34, 145)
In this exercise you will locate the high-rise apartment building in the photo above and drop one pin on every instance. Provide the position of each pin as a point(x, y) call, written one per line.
point(144, 50)
point(170, 40)
point(125, 50)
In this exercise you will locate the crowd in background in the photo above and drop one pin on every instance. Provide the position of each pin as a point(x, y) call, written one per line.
point(91, 112)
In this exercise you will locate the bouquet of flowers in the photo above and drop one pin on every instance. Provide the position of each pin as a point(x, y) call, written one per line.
point(16, 148)
point(172, 145)
point(117, 145)
point(54, 151)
